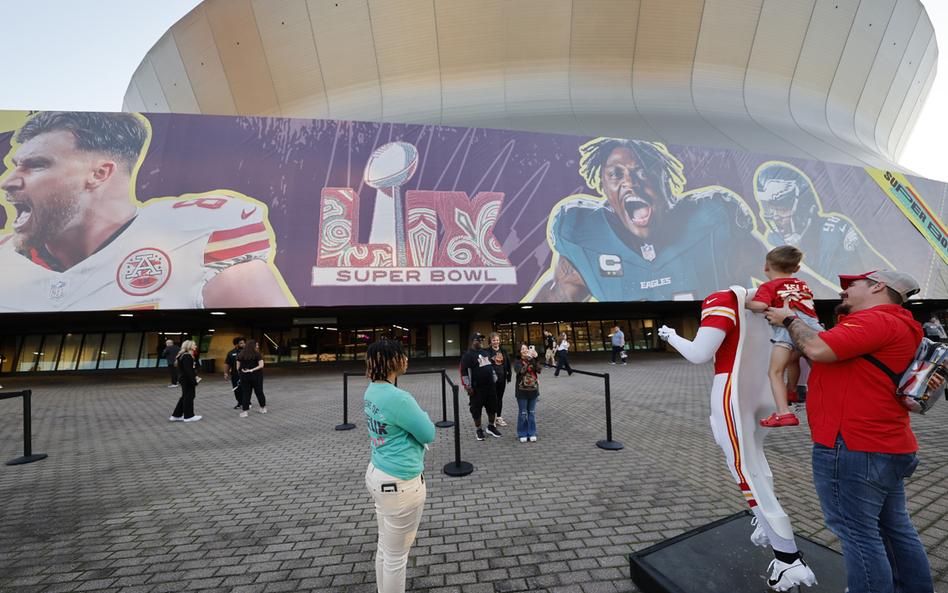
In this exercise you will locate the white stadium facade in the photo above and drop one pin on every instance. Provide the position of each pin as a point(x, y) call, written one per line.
point(833, 82)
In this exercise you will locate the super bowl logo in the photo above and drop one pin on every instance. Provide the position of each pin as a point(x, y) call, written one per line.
point(423, 238)
point(144, 272)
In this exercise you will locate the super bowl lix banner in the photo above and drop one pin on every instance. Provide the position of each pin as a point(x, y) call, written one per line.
point(134, 211)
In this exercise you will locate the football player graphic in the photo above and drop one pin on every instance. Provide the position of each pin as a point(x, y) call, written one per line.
point(831, 243)
point(644, 238)
point(80, 241)
point(738, 341)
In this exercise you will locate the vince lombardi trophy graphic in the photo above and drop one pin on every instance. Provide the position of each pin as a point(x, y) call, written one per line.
point(387, 169)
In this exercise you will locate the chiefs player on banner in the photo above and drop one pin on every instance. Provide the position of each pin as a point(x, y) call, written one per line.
point(81, 242)
point(723, 333)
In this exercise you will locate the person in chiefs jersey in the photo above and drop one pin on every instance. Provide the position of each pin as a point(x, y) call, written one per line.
point(80, 241)
point(718, 337)
point(645, 238)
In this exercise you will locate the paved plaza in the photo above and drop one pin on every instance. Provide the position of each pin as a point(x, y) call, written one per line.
point(130, 502)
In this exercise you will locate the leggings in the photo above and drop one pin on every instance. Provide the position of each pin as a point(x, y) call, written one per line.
point(252, 381)
point(563, 363)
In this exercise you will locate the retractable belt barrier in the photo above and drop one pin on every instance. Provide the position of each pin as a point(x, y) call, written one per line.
point(608, 444)
point(28, 456)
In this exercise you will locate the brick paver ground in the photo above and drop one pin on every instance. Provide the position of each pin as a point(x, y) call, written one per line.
point(130, 502)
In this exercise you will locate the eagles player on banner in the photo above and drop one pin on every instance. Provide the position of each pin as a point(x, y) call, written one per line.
point(645, 239)
point(80, 242)
point(831, 243)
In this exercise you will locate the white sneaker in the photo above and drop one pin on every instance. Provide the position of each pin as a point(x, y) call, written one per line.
point(759, 537)
point(176, 419)
point(523, 439)
point(533, 439)
point(192, 419)
point(784, 577)
point(499, 421)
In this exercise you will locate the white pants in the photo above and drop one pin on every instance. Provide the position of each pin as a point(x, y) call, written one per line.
point(398, 514)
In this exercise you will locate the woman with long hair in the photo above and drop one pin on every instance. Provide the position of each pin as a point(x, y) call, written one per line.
point(561, 354)
point(398, 430)
point(187, 379)
point(500, 362)
point(527, 369)
point(250, 371)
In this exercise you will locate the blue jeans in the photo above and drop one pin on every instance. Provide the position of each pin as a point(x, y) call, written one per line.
point(527, 419)
point(863, 501)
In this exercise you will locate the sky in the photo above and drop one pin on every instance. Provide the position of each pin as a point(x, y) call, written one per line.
point(81, 54)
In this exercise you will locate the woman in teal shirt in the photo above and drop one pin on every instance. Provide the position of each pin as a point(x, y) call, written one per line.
point(398, 429)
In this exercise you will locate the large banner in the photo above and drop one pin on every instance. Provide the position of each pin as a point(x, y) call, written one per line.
point(126, 211)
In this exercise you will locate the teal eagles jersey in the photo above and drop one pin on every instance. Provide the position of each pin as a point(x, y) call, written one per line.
point(835, 248)
point(703, 244)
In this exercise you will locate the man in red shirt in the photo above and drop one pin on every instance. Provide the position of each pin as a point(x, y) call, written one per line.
point(863, 444)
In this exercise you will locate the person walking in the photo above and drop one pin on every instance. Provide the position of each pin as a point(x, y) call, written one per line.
point(863, 444)
point(399, 431)
point(618, 344)
point(170, 354)
point(230, 370)
point(187, 377)
point(527, 391)
point(562, 353)
point(501, 362)
point(250, 367)
point(549, 346)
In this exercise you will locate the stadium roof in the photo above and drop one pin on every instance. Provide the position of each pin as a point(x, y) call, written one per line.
point(833, 80)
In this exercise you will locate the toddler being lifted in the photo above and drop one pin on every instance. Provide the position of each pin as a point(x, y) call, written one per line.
point(782, 263)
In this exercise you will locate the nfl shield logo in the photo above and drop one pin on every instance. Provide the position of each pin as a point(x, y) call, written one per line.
point(648, 252)
point(57, 290)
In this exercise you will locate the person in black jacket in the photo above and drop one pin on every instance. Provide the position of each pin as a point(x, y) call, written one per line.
point(230, 369)
point(501, 361)
point(480, 381)
point(250, 367)
point(187, 378)
point(170, 353)
point(527, 369)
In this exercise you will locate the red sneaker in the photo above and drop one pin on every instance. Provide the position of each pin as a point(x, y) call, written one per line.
point(793, 397)
point(775, 420)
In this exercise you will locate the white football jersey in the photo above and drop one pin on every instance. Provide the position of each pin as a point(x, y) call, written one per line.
point(162, 259)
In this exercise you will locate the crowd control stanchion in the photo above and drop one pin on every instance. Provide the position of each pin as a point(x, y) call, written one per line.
point(345, 404)
point(28, 456)
point(608, 444)
point(457, 468)
point(444, 423)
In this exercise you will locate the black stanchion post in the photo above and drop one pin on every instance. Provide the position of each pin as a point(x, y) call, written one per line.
point(608, 444)
point(457, 468)
point(28, 456)
point(345, 404)
point(444, 423)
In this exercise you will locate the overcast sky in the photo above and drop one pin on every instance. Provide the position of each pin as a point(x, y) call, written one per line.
point(81, 54)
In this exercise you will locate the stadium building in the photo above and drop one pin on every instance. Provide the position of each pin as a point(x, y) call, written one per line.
point(465, 147)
